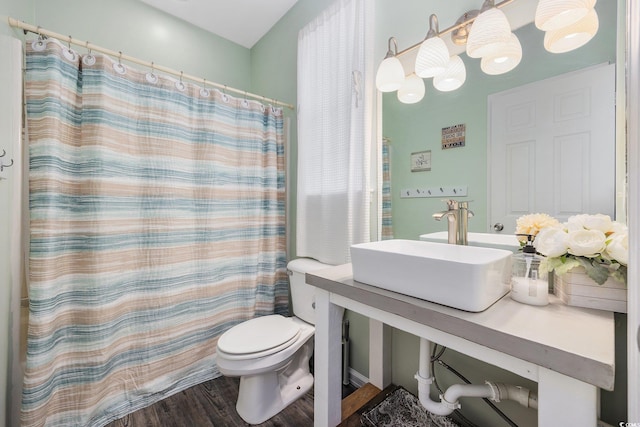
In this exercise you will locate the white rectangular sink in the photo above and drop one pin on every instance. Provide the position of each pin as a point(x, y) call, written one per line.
point(465, 277)
point(507, 242)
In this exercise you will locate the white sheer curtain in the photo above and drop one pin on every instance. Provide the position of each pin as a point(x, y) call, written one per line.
point(335, 68)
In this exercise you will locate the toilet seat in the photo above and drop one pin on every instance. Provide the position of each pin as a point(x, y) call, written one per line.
point(258, 337)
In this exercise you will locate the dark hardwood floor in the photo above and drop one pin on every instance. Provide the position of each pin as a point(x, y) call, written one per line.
point(212, 404)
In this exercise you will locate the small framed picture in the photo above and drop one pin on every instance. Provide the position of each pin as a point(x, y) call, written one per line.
point(421, 161)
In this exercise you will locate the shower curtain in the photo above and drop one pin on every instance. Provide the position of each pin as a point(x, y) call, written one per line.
point(386, 211)
point(156, 223)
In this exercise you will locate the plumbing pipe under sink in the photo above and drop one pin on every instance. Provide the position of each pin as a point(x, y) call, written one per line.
point(449, 401)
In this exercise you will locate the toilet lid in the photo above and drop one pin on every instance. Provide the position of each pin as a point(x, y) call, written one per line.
point(259, 335)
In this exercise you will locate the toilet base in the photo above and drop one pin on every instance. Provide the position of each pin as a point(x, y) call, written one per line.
point(262, 396)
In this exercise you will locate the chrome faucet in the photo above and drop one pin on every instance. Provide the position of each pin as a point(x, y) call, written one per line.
point(458, 215)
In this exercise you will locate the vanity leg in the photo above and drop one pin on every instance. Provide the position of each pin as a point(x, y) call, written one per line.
point(379, 354)
point(565, 401)
point(328, 362)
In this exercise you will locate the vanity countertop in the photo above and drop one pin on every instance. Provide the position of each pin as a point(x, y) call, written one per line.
point(573, 341)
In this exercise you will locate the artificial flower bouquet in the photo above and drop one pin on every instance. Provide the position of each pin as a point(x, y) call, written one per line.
point(594, 242)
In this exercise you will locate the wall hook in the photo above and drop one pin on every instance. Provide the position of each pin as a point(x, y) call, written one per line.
point(2, 165)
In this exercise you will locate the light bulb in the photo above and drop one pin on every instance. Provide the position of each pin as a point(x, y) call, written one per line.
point(453, 77)
point(432, 58)
point(555, 14)
point(503, 59)
point(490, 29)
point(574, 36)
point(412, 90)
point(390, 75)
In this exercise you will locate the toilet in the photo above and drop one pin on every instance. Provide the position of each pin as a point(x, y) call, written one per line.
point(271, 353)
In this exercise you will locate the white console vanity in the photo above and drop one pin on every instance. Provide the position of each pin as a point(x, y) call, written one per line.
point(568, 351)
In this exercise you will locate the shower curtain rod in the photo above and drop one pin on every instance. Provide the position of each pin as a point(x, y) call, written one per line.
point(37, 30)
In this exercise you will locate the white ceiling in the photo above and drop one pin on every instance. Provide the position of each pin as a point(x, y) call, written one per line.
point(241, 21)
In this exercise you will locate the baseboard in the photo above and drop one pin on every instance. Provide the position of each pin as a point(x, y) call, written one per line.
point(356, 379)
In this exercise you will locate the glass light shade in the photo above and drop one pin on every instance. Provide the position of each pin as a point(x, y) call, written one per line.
point(573, 36)
point(453, 77)
point(554, 14)
point(503, 60)
point(390, 75)
point(490, 29)
point(432, 58)
point(412, 90)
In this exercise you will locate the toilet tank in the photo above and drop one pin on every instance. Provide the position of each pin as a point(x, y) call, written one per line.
point(303, 295)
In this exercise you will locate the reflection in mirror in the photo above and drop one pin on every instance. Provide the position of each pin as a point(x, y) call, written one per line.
point(418, 127)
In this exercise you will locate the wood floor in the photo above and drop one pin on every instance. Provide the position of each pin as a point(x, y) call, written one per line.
point(213, 404)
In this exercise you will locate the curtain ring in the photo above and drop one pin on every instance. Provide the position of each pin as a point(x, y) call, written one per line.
point(204, 91)
point(151, 76)
point(179, 84)
point(88, 59)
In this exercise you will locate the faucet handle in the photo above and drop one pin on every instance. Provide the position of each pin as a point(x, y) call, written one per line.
point(451, 204)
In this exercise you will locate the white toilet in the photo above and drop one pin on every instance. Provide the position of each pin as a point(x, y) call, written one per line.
point(271, 354)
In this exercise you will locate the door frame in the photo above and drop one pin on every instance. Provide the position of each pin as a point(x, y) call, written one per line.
point(633, 218)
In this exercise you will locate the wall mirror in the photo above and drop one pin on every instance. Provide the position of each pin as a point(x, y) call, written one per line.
point(412, 128)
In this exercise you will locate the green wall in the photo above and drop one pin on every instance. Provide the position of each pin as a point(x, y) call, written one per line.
point(137, 30)
point(274, 74)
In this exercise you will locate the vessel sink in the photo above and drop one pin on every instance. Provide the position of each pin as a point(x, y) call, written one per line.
point(507, 242)
point(464, 277)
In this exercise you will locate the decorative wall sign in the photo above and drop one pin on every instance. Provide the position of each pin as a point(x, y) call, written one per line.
point(421, 161)
point(453, 136)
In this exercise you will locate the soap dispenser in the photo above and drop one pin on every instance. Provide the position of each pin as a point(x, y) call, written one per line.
point(528, 286)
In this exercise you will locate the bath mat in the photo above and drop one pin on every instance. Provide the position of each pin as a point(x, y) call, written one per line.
point(402, 409)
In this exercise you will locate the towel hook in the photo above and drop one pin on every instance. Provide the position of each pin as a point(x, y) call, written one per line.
point(2, 165)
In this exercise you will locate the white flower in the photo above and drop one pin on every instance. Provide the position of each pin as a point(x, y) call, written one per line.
point(594, 242)
point(590, 222)
point(619, 228)
point(586, 243)
point(618, 248)
point(598, 222)
point(532, 224)
point(551, 242)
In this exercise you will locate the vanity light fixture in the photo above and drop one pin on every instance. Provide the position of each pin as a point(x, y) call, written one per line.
point(489, 32)
point(505, 59)
point(460, 33)
point(453, 77)
point(433, 56)
point(573, 36)
point(412, 90)
point(555, 14)
point(390, 75)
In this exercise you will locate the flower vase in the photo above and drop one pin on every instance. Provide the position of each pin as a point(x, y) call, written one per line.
point(578, 289)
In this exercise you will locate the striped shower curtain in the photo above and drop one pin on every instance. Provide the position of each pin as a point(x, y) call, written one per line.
point(386, 211)
point(156, 223)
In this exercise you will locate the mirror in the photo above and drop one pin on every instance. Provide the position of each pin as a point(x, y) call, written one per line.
point(412, 128)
